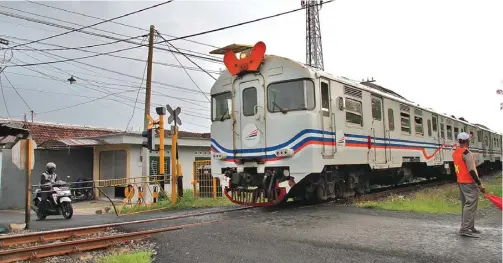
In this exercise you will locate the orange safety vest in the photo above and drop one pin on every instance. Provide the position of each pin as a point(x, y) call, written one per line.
point(462, 173)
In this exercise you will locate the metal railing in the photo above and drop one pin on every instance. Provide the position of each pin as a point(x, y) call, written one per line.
point(203, 183)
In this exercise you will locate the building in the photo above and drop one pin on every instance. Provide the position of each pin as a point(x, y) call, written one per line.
point(94, 154)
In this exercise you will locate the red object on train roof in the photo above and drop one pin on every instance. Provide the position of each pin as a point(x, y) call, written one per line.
point(496, 200)
point(248, 63)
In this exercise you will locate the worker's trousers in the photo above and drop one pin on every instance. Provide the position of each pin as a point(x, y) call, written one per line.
point(469, 195)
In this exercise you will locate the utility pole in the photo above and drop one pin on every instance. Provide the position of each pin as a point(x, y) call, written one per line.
point(146, 155)
point(28, 144)
point(32, 115)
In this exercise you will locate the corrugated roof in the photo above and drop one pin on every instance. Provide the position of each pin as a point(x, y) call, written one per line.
point(70, 143)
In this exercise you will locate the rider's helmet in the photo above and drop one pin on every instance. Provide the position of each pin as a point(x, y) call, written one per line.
point(51, 167)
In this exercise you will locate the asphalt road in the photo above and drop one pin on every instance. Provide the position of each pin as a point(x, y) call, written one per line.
point(328, 233)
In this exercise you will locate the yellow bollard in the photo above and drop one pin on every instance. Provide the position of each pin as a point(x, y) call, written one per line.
point(214, 188)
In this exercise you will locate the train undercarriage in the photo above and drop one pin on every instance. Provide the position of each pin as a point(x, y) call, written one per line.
point(334, 182)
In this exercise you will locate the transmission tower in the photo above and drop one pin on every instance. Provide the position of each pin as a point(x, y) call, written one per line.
point(314, 51)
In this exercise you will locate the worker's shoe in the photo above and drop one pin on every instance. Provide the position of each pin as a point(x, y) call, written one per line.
point(475, 231)
point(468, 233)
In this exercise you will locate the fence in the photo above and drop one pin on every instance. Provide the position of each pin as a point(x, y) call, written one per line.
point(203, 183)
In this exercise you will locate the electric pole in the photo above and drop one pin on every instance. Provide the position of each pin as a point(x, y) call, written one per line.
point(314, 50)
point(146, 154)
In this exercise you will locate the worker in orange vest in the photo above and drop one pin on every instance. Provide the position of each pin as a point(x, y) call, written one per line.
point(469, 185)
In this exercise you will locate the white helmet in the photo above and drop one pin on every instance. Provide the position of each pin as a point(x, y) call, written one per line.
point(463, 136)
point(50, 165)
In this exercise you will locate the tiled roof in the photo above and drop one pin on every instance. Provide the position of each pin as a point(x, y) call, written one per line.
point(42, 132)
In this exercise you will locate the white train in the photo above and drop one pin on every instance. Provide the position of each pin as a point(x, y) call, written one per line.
point(283, 129)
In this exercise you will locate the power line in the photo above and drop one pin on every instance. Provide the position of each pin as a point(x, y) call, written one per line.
point(114, 22)
point(206, 57)
point(95, 24)
point(63, 48)
point(167, 42)
point(3, 97)
point(243, 23)
point(137, 94)
point(17, 91)
point(193, 81)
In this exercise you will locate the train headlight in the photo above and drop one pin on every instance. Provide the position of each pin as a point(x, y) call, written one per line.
point(219, 156)
point(286, 173)
point(242, 55)
point(284, 153)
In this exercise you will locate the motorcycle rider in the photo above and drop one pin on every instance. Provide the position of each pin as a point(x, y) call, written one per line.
point(48, 178)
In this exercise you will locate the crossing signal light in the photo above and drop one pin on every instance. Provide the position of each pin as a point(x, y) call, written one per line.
point(149, 143)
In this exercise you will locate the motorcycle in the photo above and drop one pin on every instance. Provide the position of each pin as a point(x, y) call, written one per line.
point(59, 203)
point(83, 190)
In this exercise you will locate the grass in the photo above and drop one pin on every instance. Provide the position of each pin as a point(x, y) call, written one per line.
point(186, 202)
point(438, 200)
point(135, 257)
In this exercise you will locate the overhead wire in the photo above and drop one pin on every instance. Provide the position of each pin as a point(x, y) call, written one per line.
point(10, 83)
point(137, 95)
point(186, 72)
point(114, 22)
point(95, 24)
point(3, 96)
point(207, 57)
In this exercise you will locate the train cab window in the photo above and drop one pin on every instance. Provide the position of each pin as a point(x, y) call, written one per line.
point(434, 122)
point(290, 96)
point(354, 112)
point(429, 128)
point(221, 106)
point(325, 98)
point(249, 101)
point(376, 109)
point(442, 131)
point(449, 132)
point(391, 120)
point(456, 132)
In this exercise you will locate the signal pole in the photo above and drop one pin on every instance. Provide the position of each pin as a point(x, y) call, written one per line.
point(148, 91)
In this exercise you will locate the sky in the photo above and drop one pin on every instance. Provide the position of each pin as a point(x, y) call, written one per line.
point(446, 55)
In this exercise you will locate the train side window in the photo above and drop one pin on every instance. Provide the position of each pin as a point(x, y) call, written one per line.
point(442, 131)
point(434, 121)
point(479, 136)
point(472, 137)
point(325, 101)
point(456, 132)
point(449, 132)
point(354, 112)
point(391, 120)
point(376, 109)
point(249, 101)
point(419, 125)
point(429, 127)
point(405, 122)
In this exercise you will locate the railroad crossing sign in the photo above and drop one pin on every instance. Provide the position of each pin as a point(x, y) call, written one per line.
point(173, 115)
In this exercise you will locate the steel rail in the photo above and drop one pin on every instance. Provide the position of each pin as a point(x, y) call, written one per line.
point(62, 248)
point(8, 241)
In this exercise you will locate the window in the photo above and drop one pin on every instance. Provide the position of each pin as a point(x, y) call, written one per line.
point(391, 120)
point(429, 128)
point(249, 101)
point(376, 109)
point(434, 121)
point(479, 136)
point(442, 132)
point(449, 132)
point(472, 137)
point(325, 96)
point(354, 112)
point(456, 132)
point(290, 96)
point(418, 123)
point(486, 141)
point(221, 106)
point(405, 122)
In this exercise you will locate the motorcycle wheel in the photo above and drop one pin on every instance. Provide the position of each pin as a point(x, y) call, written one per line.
point(41, 216)
point(67, 210)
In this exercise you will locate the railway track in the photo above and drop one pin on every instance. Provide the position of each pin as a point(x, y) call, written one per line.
point(72, 240)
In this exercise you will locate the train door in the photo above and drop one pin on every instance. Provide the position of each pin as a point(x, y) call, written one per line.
point(327, 120)
point(249, 101)
point(379, 140)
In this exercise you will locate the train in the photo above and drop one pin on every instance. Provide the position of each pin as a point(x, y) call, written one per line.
point(282, 129)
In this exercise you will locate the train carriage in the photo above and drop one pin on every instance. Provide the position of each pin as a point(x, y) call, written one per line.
point(283, 129)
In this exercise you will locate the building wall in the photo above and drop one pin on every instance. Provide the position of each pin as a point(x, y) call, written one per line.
point(96, 166)
point(12, 194)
